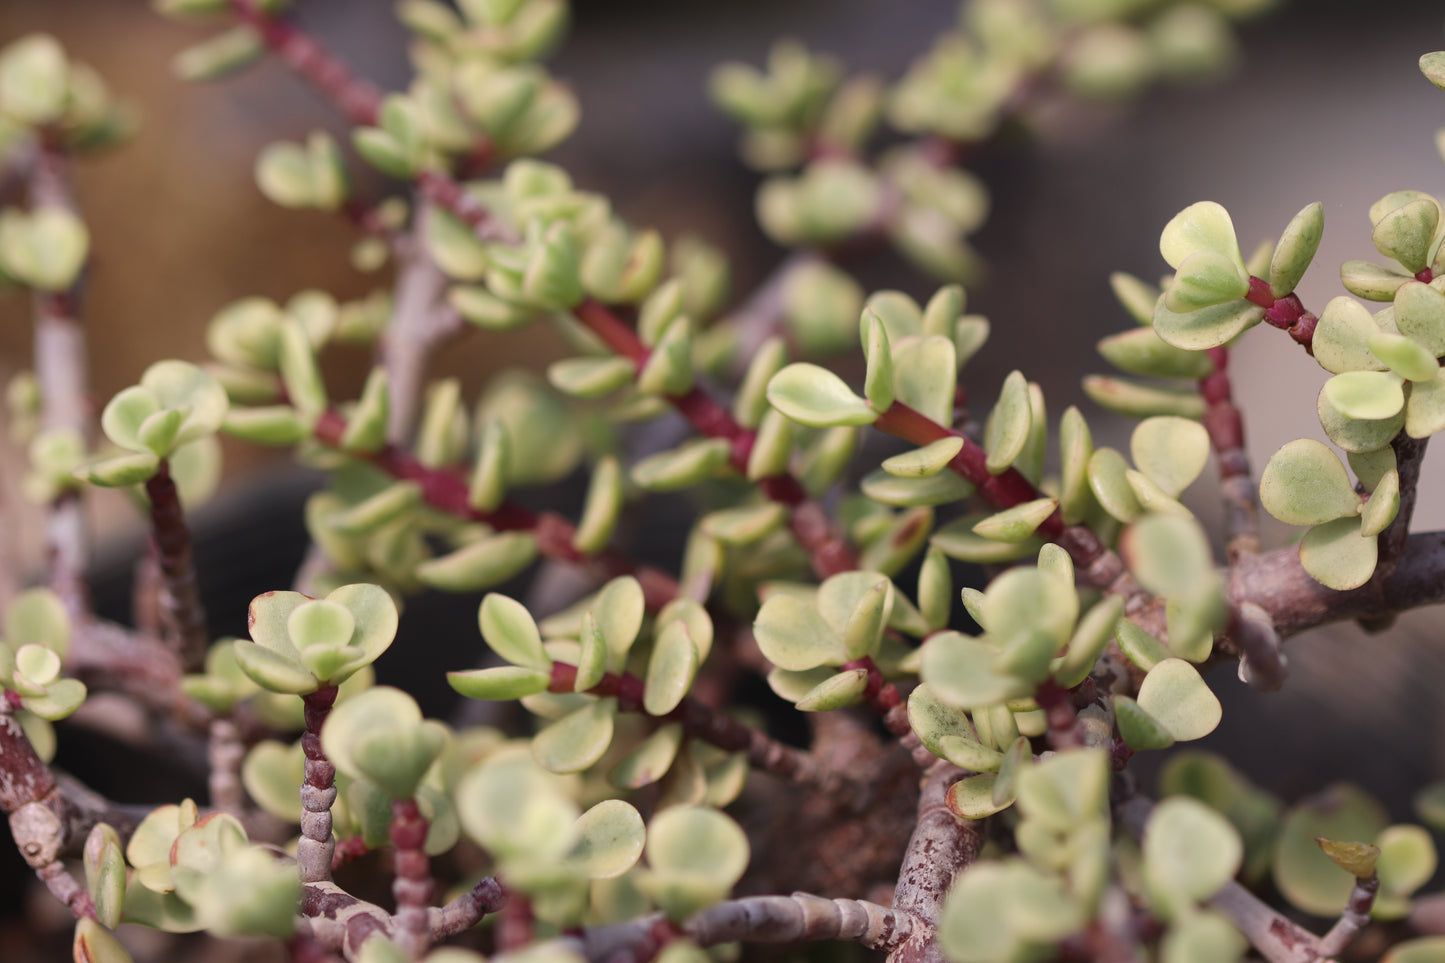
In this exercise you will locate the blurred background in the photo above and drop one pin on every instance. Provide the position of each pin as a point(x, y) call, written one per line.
point(1326, 103)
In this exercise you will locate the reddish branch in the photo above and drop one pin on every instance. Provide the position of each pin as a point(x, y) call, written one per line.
point(827, 547)
point(318, 791)
point(447, 489)
point(38, 813)
point(355, 97)
point(701, 722)
point(1225, 425)
point(1095, 561)
point(183, 615)
point(412, 887)
point(883, 698)
point(1286, 313)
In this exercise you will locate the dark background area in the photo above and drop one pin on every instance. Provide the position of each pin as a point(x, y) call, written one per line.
point(1326, 104)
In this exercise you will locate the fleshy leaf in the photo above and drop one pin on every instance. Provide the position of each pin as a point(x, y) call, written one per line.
point(578, 739)
point(1170, 451)
point(1337, 554)
point(793, 636)
point(817, 397)
point(1007, 430)
point(511, 632)
point(1174, 693)
point(670, 670)
point(1190, 852)
point(1202, 226)
point(1296, 248)
point(1209, 327)
point(610, 837)
point(926, 461)
point(1304, 483)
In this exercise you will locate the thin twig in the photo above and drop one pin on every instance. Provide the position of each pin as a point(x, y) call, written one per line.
point(1099, 565)
point(825, 544)
point(1409, 456)
point(1286, 313)
point(1355, 917)
point(448, 490)
point(467, 910)
point(185, 618)
point(1278, 584)
point(412, 886)
point(318, 792)
point(353, 96)
point(1225, 424)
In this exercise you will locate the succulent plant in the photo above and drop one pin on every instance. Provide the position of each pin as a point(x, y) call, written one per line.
point(984, 613)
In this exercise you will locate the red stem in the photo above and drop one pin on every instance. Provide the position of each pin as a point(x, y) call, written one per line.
point(355, 97)
point(827, 548)
point(1286, 313)
point(1094, 560)
point(882, 697)
point(447, 490)
point(413, 886)
point(1225, 424)
point(180, 596)
point(315, 849)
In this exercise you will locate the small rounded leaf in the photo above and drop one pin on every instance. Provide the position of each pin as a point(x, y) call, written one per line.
point(1208, 327)
point(1357, 859)
point(793, 636)
point(1296, 248)
point(1304, 483)
point(1338, 555)
point(511, 632)
point(578, 739)
point(670, 670)
point(817, 397)
point(1018, 523)
point(1383, 505)
point(1190, 851)
point(1202, 226)
point(610, 837)
point(926, 461)
point(697, 840)
point(499, 683)
point(1341, 340)
point(836, 692)
point(1174, 693)
point(1170, 451)
point(1007, 429)
point(1303, 873)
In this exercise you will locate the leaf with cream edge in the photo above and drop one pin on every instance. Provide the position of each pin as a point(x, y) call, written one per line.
point(818, 398)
